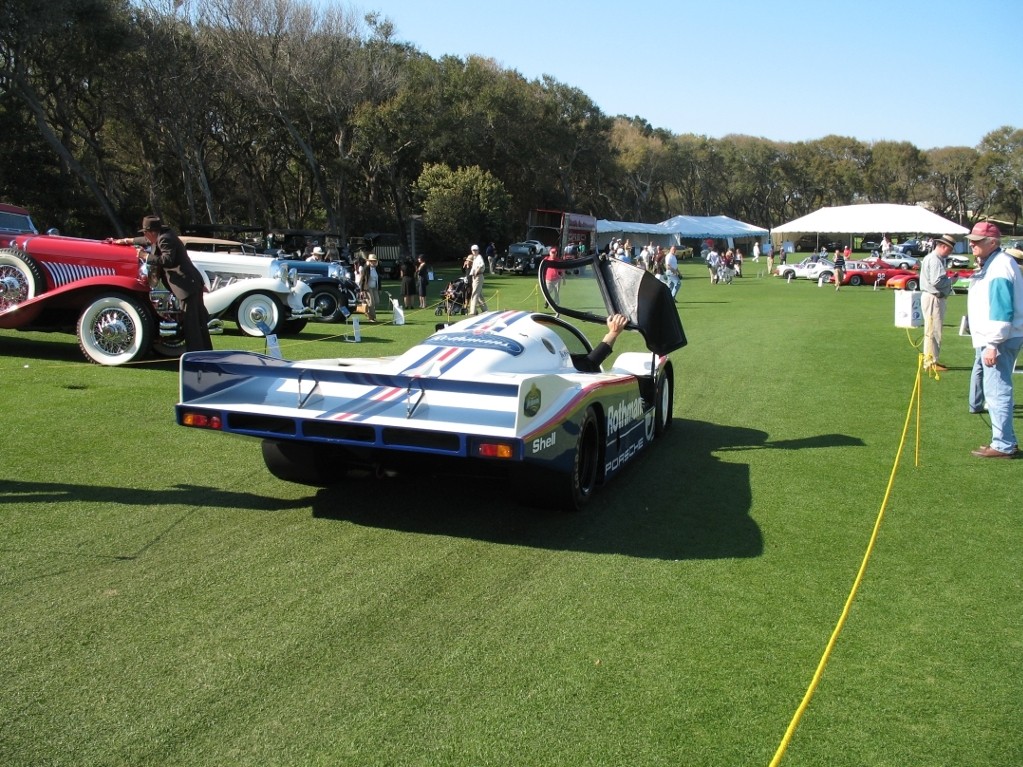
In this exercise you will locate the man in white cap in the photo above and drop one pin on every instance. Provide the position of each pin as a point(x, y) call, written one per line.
point(935, 287)
point(995, 314)
point(476, 273)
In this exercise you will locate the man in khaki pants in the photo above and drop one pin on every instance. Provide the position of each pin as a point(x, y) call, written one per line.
point(935, 287)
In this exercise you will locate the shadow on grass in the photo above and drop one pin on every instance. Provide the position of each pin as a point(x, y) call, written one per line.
point(679, 501)
point(63, 347)
point(15, 491)
point(54, 347)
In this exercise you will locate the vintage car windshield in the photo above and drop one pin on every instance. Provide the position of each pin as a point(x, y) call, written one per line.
point(596, 286)
point(18, 223)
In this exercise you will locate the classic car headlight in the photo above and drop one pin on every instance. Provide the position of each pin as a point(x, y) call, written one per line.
point(334, 271)
point(279, 271)
point(148, 275)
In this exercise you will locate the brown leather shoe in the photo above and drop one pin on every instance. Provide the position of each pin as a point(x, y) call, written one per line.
point(986, 451)
point(939, 367)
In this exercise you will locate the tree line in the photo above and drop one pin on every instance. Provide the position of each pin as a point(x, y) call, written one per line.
point(285, 114)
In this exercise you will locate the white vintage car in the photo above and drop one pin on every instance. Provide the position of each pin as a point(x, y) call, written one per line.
point(330, 294)
point(259, 306)
point(810, 268)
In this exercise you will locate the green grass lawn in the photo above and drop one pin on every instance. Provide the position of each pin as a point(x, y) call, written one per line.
point(166, 601)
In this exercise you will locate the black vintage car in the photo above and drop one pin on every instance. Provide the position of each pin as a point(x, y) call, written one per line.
point(521, 258)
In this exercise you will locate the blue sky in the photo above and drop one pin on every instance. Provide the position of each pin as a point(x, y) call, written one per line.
point(935, 73)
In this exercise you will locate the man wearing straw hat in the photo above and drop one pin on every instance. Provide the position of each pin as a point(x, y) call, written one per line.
point(935, 287)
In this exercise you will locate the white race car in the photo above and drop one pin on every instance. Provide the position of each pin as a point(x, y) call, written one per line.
point(513, 394)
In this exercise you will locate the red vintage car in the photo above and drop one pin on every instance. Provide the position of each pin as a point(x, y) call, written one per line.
point(96, 289)
point(872, 271)
point(103, 293)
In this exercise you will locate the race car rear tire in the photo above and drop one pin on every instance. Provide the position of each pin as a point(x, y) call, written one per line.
point(301, 463)
point(664, 403)
point(21, 278)
point(855, 280)
point(115, 329)
point(568, 491)
point(574, 490)
point(255, 309)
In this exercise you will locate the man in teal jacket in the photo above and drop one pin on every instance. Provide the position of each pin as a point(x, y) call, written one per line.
point(995, 314)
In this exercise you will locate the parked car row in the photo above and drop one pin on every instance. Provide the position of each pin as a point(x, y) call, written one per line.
point(869, 271)
point(814, 243)
point(104, 293)
point(912, 247)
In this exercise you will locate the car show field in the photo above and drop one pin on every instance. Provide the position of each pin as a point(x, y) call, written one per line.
point(168, 601)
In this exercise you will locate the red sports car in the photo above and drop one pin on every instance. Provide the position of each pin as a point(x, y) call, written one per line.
point(912, 281)
point(870, 272)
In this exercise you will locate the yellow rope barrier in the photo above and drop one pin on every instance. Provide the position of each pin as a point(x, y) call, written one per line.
point(791, 729)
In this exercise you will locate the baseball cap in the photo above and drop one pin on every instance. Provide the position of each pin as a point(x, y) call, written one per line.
point(984, 229)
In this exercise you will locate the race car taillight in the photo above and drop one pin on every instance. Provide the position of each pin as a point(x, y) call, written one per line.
point(494, 450)
point(201, 420)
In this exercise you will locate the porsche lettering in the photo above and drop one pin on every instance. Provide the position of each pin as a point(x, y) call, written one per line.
point(623, 458)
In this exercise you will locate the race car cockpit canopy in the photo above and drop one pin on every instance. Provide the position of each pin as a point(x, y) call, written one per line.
point(595, 287)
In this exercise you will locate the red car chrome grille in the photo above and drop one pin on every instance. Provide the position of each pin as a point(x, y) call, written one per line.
point(62, 274)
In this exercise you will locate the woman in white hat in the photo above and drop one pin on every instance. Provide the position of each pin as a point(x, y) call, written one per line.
point(369, 283)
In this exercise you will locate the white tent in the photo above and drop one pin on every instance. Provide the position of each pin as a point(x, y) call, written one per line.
point(676, 229)
point(711, 227)
point(884, 218)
